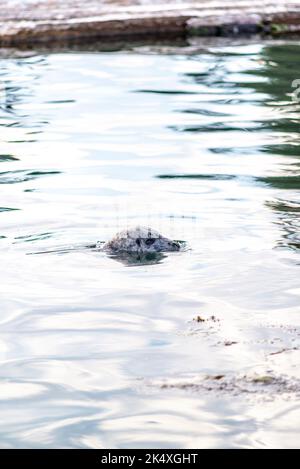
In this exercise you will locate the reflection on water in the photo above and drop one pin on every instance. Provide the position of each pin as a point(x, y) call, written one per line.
point(289, 221)
point(203, 147)
point(138, 259)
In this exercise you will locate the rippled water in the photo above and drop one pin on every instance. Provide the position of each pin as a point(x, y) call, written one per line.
point(202, 146)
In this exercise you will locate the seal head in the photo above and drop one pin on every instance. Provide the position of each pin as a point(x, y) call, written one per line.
point(140, 240)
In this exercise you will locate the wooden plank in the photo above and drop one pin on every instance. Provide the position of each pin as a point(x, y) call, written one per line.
point(47, 21)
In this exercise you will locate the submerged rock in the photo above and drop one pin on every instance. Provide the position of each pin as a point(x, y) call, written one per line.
point(141, 240)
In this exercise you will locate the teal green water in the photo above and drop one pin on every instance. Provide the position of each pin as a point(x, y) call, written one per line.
point(202, 146)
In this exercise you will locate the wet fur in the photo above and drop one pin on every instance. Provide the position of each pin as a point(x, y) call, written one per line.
point(141, 240)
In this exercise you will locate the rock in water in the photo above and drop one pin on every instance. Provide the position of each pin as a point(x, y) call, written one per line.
point(141, 240)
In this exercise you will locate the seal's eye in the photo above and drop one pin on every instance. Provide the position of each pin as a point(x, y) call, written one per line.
point(174, 245)
point(149, 241)
point(138, 241)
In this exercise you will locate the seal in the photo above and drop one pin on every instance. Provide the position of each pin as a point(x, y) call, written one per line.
point(132, 247)
point(140, 240)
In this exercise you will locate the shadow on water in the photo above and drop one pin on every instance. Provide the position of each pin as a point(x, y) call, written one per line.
point(19, 79)
point(281, 66)
point(282, 182)
point(279, 182)
point(138, 259)
point(7, 209)
point(125, 258)
point(267, 82)
point(8, 158)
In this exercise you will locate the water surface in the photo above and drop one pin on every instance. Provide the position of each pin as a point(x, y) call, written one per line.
point(205, 148)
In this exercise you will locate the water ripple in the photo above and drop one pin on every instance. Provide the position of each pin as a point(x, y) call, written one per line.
point(13, 177)
point(202, 143)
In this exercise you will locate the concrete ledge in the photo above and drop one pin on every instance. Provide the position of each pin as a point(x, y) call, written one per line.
point(32, 22)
